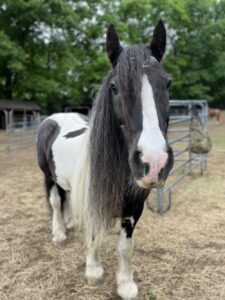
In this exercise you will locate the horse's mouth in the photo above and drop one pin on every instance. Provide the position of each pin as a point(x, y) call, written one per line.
point(145, 185)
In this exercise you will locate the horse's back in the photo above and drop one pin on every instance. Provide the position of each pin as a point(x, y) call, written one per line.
point(68, 122)
point(59, 144)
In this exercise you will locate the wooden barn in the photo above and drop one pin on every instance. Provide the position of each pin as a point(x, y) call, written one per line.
point(13, 112)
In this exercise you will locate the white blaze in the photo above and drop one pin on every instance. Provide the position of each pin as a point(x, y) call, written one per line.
point(151, 139)
point(151, 142)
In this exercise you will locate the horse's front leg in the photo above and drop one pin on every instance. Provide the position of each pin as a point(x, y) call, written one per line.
point(126, 287)
point(94, 270)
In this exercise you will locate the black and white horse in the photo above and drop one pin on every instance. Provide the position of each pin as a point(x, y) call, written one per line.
point(104, 169)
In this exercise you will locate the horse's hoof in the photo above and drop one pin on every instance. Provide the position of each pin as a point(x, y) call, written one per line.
point(94, 274)
point(127, 290)
point(59, 237)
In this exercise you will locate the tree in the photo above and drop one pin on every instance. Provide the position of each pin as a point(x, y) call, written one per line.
point(36, 49)
point(53, 52)
point(196, 59)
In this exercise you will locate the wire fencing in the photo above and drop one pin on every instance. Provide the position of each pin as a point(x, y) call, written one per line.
point(21, 133)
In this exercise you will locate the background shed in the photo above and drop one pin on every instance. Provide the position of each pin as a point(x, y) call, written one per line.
point(12, 112)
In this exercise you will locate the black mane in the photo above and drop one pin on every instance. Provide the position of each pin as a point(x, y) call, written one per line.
point(109, 170)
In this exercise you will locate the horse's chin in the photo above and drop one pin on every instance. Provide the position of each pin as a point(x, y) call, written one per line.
point(143, 184)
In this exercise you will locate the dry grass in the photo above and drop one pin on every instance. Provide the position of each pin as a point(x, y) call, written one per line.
point(177, 256)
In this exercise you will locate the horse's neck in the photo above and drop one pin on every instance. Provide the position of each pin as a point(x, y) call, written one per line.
point(133, 193)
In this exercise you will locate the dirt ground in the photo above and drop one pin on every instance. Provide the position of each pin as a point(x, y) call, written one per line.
point(178, 255)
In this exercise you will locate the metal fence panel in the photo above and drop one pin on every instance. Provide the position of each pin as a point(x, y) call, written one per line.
point(185, 162)
point(21, 133)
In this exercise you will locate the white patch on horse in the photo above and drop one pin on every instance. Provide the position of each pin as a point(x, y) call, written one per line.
point(126, 287)
point(131, 220)
point(66, 151)
point(151, 139)
point(151, 142)
point(58, 229)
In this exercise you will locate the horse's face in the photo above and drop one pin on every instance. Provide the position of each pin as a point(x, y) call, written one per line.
point(139, 92)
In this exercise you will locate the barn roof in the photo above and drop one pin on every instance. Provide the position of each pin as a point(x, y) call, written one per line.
point(19, 106)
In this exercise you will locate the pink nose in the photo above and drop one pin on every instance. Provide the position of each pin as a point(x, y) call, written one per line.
point(156, 161)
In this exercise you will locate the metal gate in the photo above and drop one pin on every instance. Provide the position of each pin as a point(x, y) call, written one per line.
point(21, 133)
point(185, 162)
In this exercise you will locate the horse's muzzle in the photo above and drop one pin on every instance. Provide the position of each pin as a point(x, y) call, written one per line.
point(157, 170)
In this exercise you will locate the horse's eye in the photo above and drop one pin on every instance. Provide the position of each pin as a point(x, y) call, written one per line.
point(114, 88)
point(169, 83)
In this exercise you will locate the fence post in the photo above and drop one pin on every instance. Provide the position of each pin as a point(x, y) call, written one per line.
point(189, 149)
point(160, 200)
point(10, 120)
point(6, 120)
point(202, 165)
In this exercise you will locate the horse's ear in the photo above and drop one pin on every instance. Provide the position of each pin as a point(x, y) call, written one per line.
point(158, 44)
point(113, 45)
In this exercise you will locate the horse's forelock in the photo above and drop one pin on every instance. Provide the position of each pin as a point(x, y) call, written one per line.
point(130, 70)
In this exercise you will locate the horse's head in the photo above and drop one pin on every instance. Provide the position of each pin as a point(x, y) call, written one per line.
point(139, 92)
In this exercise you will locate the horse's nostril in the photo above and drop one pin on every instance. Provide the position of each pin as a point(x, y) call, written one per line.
point(137, 156)
point(146, 168)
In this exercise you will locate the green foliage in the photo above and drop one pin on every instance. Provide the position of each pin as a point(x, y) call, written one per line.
point(53, 52)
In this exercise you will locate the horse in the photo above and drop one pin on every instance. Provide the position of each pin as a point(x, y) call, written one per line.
point(214, 112)
point(102, 169)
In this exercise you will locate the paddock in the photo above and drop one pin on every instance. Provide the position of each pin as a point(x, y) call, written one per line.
point(179, 255)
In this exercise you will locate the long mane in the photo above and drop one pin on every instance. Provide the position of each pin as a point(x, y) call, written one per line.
point(109, 171)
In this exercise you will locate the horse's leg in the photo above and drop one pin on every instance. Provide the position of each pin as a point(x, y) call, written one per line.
point(126, 287)
point(67, 212)
point(94, 270)
point(56, 198)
